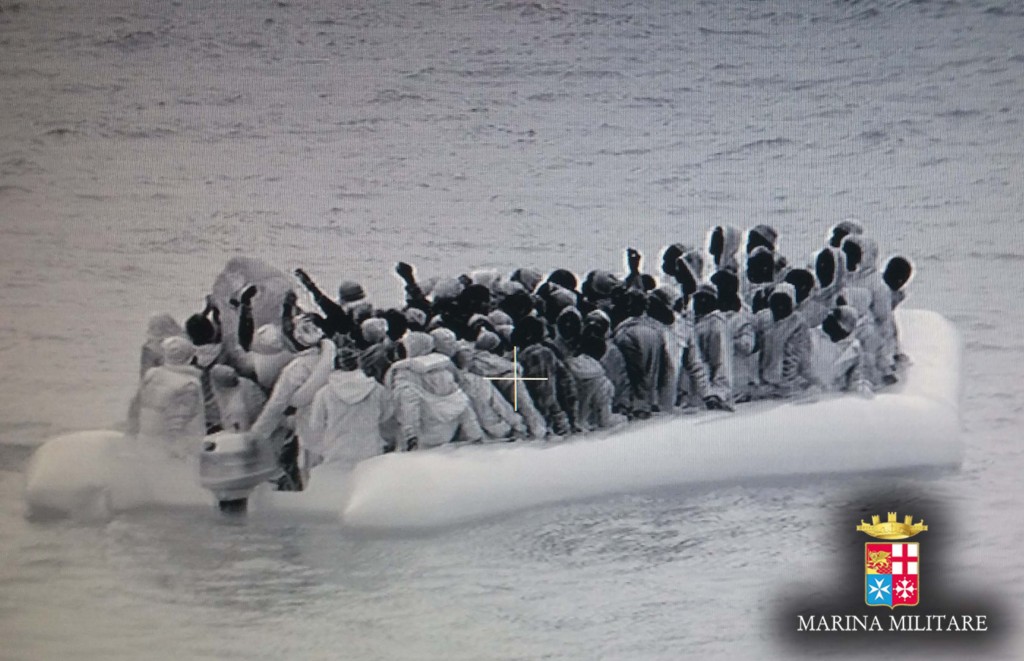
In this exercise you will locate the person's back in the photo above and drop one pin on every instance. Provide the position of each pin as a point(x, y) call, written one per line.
point(239, 400)
point(785, 356)
point(642, 343)
point(168, 410)
point(839, 362)
point(348, 419)
point(595, 391)
point(430, 408)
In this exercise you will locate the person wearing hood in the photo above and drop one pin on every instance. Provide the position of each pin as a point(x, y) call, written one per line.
point(351, 418)
point(843, 229)
point(803, 281)
point(641, 340)
point(598, 324)
point(862, 272)
point(896, 275)
point(764, 236)
point(285, 417)
point(759, 274)
point(724, 245)
point(158, 328)
point(430, 408)
point(239, 399)
point(167, 411)
point(568, 327)
point(495, 370)
point(830, 276)
point(740, 321)
point(786, 351)
point(713, 344)
point(596, 392)
point(496, 415)
point(839, 363)
point(552, 388)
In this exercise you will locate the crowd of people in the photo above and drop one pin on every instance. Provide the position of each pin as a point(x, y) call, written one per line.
point(483, 357)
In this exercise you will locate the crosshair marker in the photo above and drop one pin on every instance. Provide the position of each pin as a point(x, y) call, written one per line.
point(515, 378)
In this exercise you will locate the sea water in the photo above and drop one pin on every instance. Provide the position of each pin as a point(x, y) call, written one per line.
point(143, 144)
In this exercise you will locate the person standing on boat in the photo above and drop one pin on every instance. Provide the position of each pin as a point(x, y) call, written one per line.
point(168, 411)
point(896, 275)
point(862, 273)
point(204, 330)
point(337, 320)
point(351, 418)
point(740, 321)
point(430, 408)
point(285, 416)
point(724, 245)
point(830, 275)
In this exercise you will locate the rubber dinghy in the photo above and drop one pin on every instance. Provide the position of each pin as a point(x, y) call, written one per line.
point(913, 424)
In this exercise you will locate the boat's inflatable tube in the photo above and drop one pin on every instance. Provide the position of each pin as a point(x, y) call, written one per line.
point(915, 424)
point(95, 474)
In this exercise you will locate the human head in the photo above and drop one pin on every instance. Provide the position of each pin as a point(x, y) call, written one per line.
point(347, 359)
point(224, 376)
point(845, 228)
point(897, 273)
point(350, 291)
point(177, 351)
point(488, 341)
point(200, 330)
point(705, 299)
point(597, 323)
point(781, 302)
point(592, 345)
point(564, 278)
point(761, 235)
point(760, 266)
point(307, 330)
point(728, 286)
point(569, 323)
point(374, 330)
point(162, 325)
point(840, 322)
point(445, 342)
point(803, 284)
point(528, 331)
point(417, 344)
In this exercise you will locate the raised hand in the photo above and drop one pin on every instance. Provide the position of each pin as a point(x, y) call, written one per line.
point(633, 259)
point(404, 271)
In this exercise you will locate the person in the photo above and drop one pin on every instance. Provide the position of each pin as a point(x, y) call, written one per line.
point(786, 351)
point(740, 321)
point(843, 229)
point(862, 272)
point(430, 408)
point(803, 281)
point(167, 411)
point(204, 331)
point(415, 297)
point(239, 399)
point(764, 236)
point(351, 418)
point(724, 246)
point(337, 320)
point(158, 328)
point(596, 392)
point(262, 353)
point(714, 344)
point(830, 276)
point(598, 324)
point(839, 362)
point(896, 275)
point(642, 344)
point(292, 396)
point(553, 390)
point(496, 416)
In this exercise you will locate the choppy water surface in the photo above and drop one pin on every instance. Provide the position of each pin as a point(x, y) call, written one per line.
point(142, 145)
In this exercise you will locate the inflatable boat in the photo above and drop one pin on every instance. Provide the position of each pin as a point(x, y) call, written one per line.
point(912, 424)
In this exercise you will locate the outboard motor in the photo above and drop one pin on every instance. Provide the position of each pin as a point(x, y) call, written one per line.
point(231, 466)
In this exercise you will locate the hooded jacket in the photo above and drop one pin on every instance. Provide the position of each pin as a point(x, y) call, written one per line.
point(239, 400)
point(642, 343)
point(555, 395)
point(306, 367)
point(349, 419)
point(429, 405)
point(839, 366)
point(822, 299)
point(785, 359)
point(159, 328)
point(714, 344)
point(495, 414)
point(491, 366)
point(596, 393)
point(732, 243)
point(168, 410)
point(867, 277)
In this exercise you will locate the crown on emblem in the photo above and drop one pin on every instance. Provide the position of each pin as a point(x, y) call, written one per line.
point(892, 529)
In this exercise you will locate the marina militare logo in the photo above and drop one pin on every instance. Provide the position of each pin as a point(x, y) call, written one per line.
point(892, 570)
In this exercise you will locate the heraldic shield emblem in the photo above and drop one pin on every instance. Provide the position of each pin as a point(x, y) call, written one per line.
point(892, 570)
